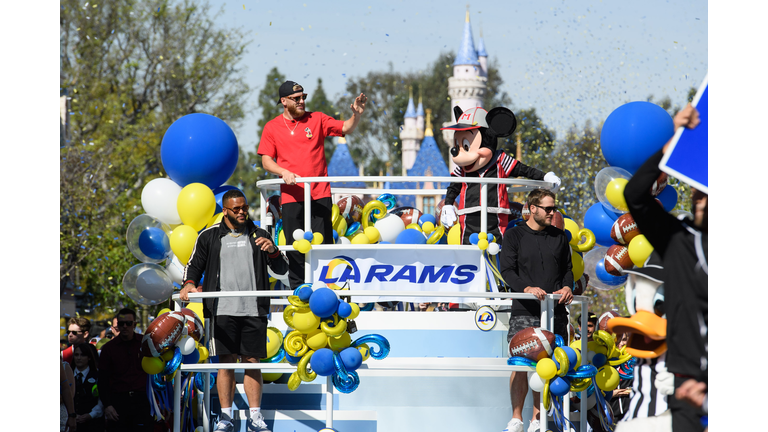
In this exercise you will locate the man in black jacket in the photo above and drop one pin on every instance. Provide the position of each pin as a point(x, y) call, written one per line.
point(535, 259)
point(234, 254)
point(682, 245)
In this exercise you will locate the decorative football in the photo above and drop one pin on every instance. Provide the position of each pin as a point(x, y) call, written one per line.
point(525, 212)
point(439, 211)
point(617, 260)
point(659, 184)
point(581, 284)
point(624, 229)
point(275, 208)
point(516, 210)
point(351, 207)
point(195, 328)
point(409, 215)
point(558, 221)
point(532, 343)
point(162, 333)
point(602, 322)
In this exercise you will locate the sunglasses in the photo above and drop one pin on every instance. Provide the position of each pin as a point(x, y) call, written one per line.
point(75, 331)
point(237, 210)
point(296, 99)
point(549, 209)
point(124, 323)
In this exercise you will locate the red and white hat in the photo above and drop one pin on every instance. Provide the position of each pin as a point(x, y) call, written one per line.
point(472, 118)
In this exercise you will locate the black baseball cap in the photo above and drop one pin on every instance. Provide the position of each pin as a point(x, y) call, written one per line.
point(590, 317)
point(288, 88)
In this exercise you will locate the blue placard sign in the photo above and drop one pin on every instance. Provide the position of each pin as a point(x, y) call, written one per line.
point(688, 155)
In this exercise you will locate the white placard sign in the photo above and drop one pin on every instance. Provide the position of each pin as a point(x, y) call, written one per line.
point(402, 270)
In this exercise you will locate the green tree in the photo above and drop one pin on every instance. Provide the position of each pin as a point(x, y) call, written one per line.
point(130, 70)
point(268, 98)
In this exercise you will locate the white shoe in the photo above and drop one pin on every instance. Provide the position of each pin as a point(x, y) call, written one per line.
point(514, 425)
point(534, 426)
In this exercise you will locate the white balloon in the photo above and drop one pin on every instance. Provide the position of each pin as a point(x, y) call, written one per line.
point(159, 200)
point(154, 284)
point(493, 248)
point(345, 240)
point(389, 227)
point(186, 345)
point(175, 269)
point(298, 234)
point(536, 383)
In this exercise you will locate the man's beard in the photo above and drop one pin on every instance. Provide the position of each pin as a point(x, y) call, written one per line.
point(234, 222)
point(295, 111)
point(541, 220)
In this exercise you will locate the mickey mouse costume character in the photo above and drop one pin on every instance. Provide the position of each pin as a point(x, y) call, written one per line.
point(474, 152)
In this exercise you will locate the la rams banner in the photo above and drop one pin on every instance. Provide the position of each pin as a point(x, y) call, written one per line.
point(399, 270)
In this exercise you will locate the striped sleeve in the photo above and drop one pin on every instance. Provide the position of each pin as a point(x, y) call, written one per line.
point(507, 164)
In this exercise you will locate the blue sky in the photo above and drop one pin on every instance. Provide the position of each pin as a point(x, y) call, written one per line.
point(573, 60)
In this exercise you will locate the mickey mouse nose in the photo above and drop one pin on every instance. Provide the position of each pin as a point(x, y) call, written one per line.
point(455, 151)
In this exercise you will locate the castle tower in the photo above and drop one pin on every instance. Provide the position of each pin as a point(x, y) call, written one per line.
point(420, 117)
point(482, 56)
point(410, 136)
point(468, 84)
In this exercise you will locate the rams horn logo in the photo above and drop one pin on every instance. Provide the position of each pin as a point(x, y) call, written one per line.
point(485, 318)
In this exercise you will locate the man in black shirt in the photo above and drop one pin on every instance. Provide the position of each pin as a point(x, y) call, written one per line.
point(535, 259)
point(682, 245)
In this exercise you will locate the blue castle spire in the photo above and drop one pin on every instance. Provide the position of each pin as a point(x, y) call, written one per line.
point(341, 164)
point(467, 54)
point(410, 112)
point(481, 47)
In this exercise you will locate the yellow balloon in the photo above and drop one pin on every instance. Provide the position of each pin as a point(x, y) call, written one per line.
point(380, 211)
point(203, 353)
point(414, 226)
point(196, 205)
point(305, 321)
point(373, 234)
point(317, 238)
point(589, 240)
point(428, 227)
point(183, 242)
point(197, 307)
point(454, 235)
point(316, 339)
point(607, 378)
point(546, 369)
point(360, 238)
point(482, 244)
point(355, 311)
point(272, 376)
point(578, 265)
point(340, 226)
point(152, 365)
point(295, 344)
point(281, 238)
point(572, 227)
point(639, 250)
point(215, 219)
point(274, 340)
point(335, 212)
point(436, 235)
point(302, 246)
point(614, 192)
point(167, 356)
point(340, 342)
point(163, 311)
point(365, 351)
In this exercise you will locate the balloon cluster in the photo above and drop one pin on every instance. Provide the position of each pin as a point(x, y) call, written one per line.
point(199, 152)
point(320, 343)
point(631, 134)
point(556, 377)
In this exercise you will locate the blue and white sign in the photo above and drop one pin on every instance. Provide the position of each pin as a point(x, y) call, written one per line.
point(432, 269)
point(485, 318)
point(688, 155)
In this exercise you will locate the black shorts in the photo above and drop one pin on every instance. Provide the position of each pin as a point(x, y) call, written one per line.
point(243, 335)
point(520, 322)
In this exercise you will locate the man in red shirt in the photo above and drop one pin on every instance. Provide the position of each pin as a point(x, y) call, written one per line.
point(291, 146)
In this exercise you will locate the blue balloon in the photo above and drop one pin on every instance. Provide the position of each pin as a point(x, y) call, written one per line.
point(559, 386)
point(606, 277)
point(427, 218)
point(599, 360)
point(344, 309)
point(191, 358)
point(308, 236)
point(154, 243)
point(600, 221)
point(572, 357)
point(474, 238)
point(199, 148)
point(633, 132)
point(218, 193)
point(411, 236)
point(335, 236)
point(323, 302)
point(305, 292)
point(322, 362)
point(351, 358)
point(668, 198)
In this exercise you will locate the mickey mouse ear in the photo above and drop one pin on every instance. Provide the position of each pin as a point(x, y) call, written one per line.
point(502, 121)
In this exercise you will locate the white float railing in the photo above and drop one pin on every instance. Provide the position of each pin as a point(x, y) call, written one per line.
point(410, 364)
